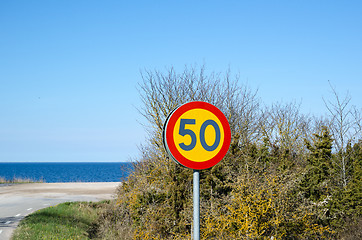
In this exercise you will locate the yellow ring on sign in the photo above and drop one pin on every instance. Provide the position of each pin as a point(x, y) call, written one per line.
point(198, 153)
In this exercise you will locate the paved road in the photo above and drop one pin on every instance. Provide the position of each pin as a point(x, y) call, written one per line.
point(19, 200)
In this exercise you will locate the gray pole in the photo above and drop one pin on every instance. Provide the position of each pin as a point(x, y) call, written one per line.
point(196, 205)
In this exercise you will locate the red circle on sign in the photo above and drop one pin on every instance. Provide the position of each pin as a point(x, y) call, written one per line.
point(169, 138)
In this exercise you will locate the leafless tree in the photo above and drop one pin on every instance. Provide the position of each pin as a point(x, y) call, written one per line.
point(286, 126)
point(356, 113)
point(161, 92)
point(345, 126)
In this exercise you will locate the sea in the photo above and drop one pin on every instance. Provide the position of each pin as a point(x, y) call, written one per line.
point(52, 172)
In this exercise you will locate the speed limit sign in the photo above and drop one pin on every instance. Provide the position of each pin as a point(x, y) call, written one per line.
point(197, 135)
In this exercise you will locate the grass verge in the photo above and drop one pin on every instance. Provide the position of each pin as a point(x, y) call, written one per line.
point(71, 220)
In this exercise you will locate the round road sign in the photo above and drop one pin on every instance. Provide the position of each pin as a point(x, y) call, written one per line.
point(197, 135)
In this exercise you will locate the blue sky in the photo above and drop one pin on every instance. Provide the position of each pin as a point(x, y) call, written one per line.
point(69, 69)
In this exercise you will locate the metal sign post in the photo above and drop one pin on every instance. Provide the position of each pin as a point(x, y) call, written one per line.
point(196, 182)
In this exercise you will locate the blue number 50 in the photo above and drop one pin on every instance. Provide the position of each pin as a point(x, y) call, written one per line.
point(183, 131)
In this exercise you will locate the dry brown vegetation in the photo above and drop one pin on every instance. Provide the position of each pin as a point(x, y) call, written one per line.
point(18, 180)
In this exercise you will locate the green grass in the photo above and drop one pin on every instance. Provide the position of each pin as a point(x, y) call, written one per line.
point(71, 220)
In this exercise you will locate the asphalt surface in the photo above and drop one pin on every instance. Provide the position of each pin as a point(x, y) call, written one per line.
point(19, 200)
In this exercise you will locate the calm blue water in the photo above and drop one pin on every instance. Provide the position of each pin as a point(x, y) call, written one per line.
point(67, 172)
